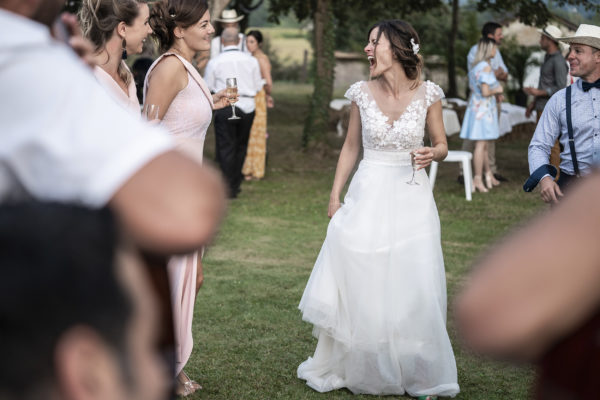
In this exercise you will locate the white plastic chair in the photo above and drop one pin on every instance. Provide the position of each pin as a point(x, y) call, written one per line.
point(463, 157)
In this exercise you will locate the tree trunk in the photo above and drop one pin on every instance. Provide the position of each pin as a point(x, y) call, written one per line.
point(452, 90)
point(316, 125)
point(216, 7)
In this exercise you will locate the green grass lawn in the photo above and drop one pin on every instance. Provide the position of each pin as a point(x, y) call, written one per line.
point(249, 336)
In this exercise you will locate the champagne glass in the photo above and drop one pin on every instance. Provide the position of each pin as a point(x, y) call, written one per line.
point(232, 95)
point(151, 112)
point(414, 165)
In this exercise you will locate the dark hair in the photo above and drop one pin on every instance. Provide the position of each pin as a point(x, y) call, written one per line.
point(58, 271)
point(166, 15)
point(400, 33)
point(489, 28)
point(256, 35)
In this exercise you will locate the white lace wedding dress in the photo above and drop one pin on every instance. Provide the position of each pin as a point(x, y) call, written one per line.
point(377, 292)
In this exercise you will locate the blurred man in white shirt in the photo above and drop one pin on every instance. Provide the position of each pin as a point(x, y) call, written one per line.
point(63, 139)
point(232, 135)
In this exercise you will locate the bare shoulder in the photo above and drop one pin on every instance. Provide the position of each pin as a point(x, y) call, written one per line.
point(171, 71)
point(263, 60)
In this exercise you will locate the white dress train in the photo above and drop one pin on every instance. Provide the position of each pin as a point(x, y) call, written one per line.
point(377, 292)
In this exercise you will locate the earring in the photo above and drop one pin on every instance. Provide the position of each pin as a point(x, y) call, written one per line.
point(124, 55)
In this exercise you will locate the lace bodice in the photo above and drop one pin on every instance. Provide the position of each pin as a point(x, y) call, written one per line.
point(405, 133)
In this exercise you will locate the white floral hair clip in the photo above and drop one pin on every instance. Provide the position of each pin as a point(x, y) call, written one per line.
point(415, 46)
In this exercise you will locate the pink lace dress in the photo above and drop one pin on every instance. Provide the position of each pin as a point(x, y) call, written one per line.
point(187, 119)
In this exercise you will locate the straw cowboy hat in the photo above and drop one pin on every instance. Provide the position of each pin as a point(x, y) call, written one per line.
point(586, 34)
point(229, 16)
point(551, 32)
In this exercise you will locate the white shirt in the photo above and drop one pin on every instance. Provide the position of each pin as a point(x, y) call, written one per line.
point(62, 138)
point(216, 47)
point(233, 63)
point(497, 61)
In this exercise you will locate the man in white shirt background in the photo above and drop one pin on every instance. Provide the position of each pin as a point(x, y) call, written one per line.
point(229, 19)
point(232, 135)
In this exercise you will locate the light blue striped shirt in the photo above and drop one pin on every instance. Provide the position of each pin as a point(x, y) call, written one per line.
point(585, 118)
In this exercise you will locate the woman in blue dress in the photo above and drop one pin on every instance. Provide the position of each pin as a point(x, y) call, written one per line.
point(480, 123)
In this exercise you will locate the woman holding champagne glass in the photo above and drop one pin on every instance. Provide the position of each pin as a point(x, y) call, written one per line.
point(377, 292)
point(184, 104)
point(117, 28)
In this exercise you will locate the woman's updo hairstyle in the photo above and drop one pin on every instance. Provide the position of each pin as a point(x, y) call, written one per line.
point(166, 15)
point(256, 35)
point(400, 33)
point(99, 18)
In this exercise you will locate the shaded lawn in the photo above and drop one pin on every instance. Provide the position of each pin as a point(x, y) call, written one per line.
point(248, 333)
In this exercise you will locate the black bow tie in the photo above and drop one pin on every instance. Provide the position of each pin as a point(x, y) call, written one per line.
point(587, 86)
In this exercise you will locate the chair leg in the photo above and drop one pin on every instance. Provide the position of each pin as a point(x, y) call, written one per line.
point(468, 177)
point(433, 173)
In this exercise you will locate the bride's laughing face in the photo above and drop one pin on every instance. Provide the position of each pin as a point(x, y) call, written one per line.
point(379, 54)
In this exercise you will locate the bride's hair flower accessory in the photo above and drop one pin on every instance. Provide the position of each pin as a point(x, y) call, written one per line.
point(415, 46)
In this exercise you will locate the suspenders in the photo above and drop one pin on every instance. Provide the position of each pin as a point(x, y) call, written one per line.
point(570, 131)
point(243, 39)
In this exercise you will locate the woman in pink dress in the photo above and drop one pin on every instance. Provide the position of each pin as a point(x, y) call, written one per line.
point(185, 108)
point(117, 28)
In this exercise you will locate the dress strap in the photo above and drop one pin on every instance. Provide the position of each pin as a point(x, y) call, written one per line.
point(191, 71)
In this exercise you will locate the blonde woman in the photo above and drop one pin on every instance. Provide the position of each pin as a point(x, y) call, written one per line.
point(480, 123)
point(254, 165)
point(117, 28)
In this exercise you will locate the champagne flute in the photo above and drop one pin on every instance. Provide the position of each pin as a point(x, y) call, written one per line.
point(232, 95)
point(414, 165)
point(151, 112)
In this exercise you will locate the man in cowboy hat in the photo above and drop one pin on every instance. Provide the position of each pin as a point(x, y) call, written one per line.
point(572, 116)
point(229, 19)
point(553, 72)
point(553, 77)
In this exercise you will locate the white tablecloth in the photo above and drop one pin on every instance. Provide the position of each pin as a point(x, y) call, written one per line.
point(512, 115)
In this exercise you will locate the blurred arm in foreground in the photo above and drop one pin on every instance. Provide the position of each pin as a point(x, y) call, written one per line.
point(524, 297)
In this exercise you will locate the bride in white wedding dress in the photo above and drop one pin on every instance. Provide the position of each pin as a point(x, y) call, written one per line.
point(377, 292)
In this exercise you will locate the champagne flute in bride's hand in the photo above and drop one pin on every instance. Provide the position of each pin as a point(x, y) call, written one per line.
point(415, 166)
point(232, 95)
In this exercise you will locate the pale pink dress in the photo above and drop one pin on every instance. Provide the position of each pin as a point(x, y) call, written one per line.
point(187, 118)
point(129, 100)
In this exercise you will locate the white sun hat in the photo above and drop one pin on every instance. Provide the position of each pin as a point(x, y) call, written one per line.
point(586, 34)
point(229, 16)
point(551, 32)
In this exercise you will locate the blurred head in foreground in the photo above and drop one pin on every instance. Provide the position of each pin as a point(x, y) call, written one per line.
point(77, 318)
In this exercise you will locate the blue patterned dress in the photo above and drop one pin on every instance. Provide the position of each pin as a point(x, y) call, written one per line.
point(481, 118)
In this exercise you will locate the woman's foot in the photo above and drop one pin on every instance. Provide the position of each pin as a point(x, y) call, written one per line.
point(490, 181)
point(186, 386)
point(478, 184)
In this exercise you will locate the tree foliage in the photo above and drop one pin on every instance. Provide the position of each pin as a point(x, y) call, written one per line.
point(340, 20)
point(533, 12)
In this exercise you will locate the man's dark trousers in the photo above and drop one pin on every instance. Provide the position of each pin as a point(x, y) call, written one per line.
point(231, 139)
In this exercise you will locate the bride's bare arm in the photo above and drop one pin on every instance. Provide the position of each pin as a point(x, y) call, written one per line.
point(437, 133)
point(347, 159)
